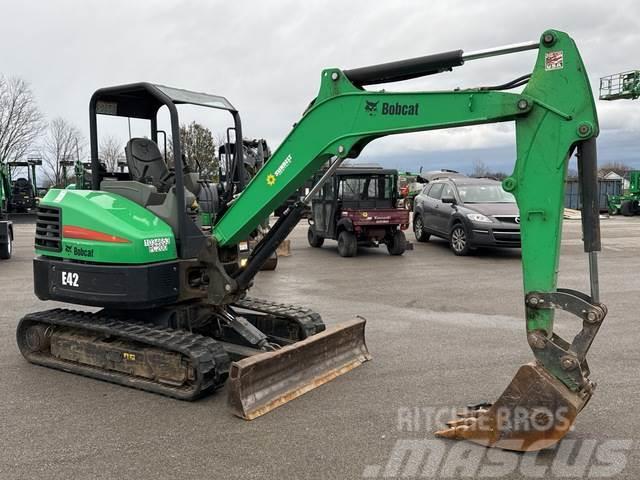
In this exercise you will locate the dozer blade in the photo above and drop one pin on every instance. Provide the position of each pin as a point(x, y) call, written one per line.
point(534, 412)
point(265, 381)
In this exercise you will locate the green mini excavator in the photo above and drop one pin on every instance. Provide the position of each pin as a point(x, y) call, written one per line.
point(175, 317)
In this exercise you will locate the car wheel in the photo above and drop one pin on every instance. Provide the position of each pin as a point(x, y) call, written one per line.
point(314, 239)
point(397, 244)
point(347, 244)
point(459, 240)
point(6, 249)
point(418, 229)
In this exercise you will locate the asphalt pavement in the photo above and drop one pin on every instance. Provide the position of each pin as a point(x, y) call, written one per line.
point(444, 331)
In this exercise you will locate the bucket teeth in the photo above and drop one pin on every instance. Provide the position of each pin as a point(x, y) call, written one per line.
point(471, 413)
point(535, 411)
point(460, 422)
point(457, 431)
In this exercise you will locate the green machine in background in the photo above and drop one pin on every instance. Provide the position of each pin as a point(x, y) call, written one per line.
point(623, 86)
point(628, 203)
point(24, 192)
point(6, 226)
point(409, 185)
point(81, 174)
point(176, 318)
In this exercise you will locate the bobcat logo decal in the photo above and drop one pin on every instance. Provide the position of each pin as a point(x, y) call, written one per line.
point(371, 107)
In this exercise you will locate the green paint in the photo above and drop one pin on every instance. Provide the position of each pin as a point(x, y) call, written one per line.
point(342, 119)
point(114, 215)
point(558, 101)
point(614, 202)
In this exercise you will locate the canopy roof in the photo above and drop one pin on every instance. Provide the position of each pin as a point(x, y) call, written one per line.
point(142, 100)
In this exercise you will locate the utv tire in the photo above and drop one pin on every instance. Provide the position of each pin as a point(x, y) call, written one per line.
point(271, 263)
point(397, 244)
point(418, 229)
point(347, 244)
point(314, 239)
point(614, 211)
point(6, 249)
point(459, 240)
point(626, 208)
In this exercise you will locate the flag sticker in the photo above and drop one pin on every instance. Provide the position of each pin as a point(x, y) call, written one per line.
point(553, 60)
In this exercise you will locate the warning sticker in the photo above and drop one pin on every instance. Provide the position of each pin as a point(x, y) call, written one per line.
point(553, 60)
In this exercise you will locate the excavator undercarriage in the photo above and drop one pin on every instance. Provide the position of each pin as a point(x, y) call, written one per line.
point(192, 360)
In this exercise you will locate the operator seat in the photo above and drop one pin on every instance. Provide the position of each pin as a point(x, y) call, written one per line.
point(152, 184)
point(146, 164)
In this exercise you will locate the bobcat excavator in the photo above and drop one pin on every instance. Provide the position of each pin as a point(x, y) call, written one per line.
point(175, 317)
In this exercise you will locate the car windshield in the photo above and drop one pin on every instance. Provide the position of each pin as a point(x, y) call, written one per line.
point(484, 194)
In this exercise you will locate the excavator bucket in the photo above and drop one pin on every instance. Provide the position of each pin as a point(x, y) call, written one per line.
point(534, 412)
point(265, 381)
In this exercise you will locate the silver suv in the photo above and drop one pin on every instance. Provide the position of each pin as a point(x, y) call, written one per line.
point(469, 212)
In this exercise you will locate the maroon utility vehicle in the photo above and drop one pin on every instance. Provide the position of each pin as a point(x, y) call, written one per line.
point(357, 207)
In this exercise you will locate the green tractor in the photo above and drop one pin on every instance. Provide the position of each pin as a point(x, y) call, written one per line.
point(623, 86)
point(24, 192)
point(6, 226)
point(628, 203)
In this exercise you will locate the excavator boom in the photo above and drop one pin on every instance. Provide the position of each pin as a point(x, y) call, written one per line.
point(554, 116)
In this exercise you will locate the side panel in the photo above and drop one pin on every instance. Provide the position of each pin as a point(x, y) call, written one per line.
point(131, 234)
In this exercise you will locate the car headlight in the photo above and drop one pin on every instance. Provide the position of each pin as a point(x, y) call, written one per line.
point(478, 217)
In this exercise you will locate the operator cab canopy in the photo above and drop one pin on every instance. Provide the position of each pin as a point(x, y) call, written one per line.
point(143, 101)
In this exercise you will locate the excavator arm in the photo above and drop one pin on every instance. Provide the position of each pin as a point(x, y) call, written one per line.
point(554, 115)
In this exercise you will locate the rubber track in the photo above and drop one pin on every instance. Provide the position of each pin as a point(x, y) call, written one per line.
point(207, 357)
point(309, 321)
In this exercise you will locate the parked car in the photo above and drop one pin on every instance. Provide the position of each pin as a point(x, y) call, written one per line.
point(357, 207)
point(469, 212)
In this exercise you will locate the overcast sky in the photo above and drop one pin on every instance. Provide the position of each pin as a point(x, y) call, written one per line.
point(266, 58)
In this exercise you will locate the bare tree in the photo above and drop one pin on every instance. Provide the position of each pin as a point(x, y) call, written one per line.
point(620, 168)
point(480, 169)
point(20, 120)
point(63, 143)
point(110, 152)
